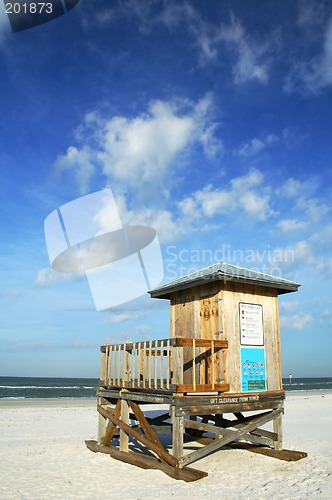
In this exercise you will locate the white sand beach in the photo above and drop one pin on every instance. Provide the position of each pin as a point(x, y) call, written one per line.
point(43, 456)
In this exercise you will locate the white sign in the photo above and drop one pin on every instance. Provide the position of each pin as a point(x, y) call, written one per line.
point(251, 324)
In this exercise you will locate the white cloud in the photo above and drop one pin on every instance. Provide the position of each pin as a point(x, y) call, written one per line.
point(254, 146)
point(250, 64)
point(126, 315)
point(327, 315)
point(143, 329)
point(289, 306)
point(300, 253)
point(250, 57)
point(120, 317)
point(291, 225)
point(212, 200)
point(311, 14)
point(246, 194)
point(296, 322)
point(162, 220)
point(36, 344)
point(314, 208)
point(17, 293)
point(325, 267)
point(312, 76)
point(301, 193)
point(48, 277)
point(186, 17)
point(145, 150)
point(295, 188)
point(81, 162)
point(306, 252)
point(102, 17)
point(323, 237)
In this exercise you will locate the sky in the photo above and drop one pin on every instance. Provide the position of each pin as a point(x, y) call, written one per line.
point(211, 123)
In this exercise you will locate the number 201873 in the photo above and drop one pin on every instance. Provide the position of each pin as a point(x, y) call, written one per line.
point(29, 8)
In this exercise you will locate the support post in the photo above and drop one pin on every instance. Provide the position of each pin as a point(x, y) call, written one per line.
point(177, 438)
point(101, 424)
point(277, 429)
point(124, 439)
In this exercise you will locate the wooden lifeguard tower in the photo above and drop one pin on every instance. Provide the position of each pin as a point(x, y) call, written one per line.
point(219, 373)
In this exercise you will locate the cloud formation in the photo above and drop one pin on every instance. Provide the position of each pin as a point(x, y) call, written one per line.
point(296, 322)
point(209, 40)
point(48, 277)
point(255, 145)
point(144, 150)
point(251, 62)
point(313, 75)
point(245, 194)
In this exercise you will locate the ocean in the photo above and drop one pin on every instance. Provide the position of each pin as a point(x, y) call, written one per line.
point(40, 387)
point(46, 387)
point(307, 384)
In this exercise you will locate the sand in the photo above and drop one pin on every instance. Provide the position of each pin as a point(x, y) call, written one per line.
point(43, 456)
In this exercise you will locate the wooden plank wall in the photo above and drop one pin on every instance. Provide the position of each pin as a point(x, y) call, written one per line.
point(184, 317)
point(209, 328)
point(211, 311)
point(195, 313)
point(233, 294)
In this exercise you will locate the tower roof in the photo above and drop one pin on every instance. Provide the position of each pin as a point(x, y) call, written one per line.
point(226, 272)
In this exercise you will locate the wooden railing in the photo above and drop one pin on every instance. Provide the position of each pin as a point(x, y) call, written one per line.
point(179, 365)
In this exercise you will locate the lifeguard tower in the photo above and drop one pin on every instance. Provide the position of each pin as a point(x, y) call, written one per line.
point(218, 373)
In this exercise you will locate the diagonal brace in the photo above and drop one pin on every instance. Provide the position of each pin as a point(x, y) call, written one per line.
point(160, 451)
point(229, 436)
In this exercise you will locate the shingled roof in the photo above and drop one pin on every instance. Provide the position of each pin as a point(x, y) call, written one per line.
point(226, 272)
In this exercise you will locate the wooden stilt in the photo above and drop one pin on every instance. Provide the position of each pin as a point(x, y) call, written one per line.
point(277, 429)
point(178, 430)
point(101, 424)
point(124, 412)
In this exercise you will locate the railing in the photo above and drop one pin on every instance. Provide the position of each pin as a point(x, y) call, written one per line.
point(178, 365)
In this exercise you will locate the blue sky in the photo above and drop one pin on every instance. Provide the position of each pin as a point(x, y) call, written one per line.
point(210, 121)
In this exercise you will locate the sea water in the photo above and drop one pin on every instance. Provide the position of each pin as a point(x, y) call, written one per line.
point(46, 387)
point(307, 384)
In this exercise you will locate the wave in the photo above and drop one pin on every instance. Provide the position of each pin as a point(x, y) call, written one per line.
point(15, 397)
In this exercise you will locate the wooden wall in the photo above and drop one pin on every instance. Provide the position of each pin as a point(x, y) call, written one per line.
point(211, 311)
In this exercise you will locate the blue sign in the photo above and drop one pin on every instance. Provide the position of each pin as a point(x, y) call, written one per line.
point(253, 372)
